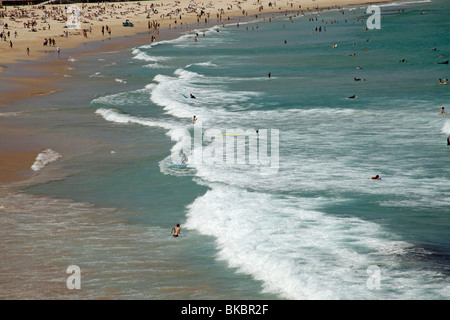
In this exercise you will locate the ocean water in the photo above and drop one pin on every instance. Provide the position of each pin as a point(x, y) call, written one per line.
point(285, 213)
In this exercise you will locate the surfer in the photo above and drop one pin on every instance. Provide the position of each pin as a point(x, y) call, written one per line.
point(194, 118)
point(184, 158)
point(352, 97)
point(448, 140)
point(269, 75)
point(442, 111)
point(192, 96)
point(377, 177)
point(176, 231)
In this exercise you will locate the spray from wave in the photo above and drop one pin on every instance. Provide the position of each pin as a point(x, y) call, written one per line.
point(44, 158)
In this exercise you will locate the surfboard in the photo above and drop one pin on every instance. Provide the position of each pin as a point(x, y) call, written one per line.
point(179, 165)
point(185, 96)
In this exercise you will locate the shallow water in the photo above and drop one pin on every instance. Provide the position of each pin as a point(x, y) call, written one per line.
point(302, 223)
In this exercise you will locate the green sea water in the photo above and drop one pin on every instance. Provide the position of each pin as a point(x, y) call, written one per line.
point(315, 227)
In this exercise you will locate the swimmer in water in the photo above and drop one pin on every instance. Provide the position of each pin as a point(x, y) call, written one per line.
point(442, 111)
point(176, 231)
point(377, 177)
point(352, 97)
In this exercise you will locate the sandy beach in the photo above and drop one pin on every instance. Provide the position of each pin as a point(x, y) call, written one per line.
point(31, 26)
point(94, 137)
point(32, 32)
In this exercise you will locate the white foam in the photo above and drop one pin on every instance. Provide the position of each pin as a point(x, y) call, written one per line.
point(155, 66)
point(44, 158)
point(96, 75)
point(181, 38)
point(123, 98)
point(141, 55)
point(286, 242)
point(298, 253)
point(118, 117)
point(203, 64)
point(395, 4)
point(446, 127)
point(9, 114)
point(210, 102)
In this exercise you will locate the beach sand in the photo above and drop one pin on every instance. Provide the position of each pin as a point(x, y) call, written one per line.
point(24, 45)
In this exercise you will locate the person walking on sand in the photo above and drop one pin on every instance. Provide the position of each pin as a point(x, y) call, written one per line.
point(175, 231)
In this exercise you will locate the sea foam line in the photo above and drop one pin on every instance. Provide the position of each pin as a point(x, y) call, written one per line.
point(116, 116)
point(446, 127)
point(45, 157)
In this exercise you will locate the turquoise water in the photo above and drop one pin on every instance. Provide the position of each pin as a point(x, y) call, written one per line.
point(311, 227)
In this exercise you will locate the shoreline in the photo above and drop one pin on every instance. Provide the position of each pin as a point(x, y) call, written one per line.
point(50, 68)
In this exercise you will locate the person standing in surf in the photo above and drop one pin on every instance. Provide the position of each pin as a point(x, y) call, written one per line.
point(176, 231)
